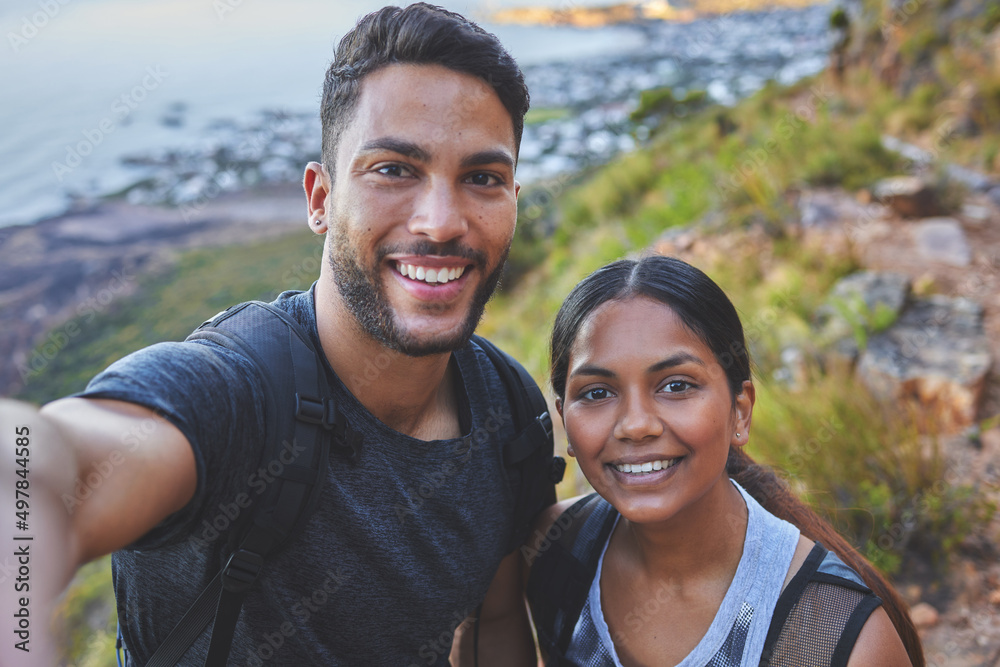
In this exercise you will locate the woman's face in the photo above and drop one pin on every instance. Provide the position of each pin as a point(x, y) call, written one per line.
point(648, 411)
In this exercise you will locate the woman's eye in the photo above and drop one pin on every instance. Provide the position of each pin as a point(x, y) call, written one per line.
point(676, 386)
point(596, 394)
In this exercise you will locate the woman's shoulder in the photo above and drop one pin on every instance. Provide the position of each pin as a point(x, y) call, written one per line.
point(826, 610)
point(802, 551)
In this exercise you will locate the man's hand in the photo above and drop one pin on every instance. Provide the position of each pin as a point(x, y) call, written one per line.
point(36, 547)
point(78, 479)
point(504, 630)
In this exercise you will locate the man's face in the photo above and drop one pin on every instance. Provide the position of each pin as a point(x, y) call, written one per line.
point(423, 206)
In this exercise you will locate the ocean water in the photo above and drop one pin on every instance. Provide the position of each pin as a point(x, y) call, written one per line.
point(84, 83)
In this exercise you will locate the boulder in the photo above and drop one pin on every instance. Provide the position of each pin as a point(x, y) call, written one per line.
point(828, 209)
point(994, 194)
point(924, 616)
point(942, 240)
point(937, 355)
point(858, 305)
point(908, 196)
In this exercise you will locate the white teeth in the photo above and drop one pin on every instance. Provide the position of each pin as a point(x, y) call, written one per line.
point(432, 276)
point(649, 466)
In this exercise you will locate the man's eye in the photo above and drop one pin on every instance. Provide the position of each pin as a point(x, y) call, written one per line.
point(394, 170)
point(677, 386)
point(484, 179)
point(596, 394)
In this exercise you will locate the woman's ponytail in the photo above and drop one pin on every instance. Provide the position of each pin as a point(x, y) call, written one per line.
point(774, 495)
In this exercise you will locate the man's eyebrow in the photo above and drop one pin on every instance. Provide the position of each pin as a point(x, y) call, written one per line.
point(407, 148)
point(488, 157)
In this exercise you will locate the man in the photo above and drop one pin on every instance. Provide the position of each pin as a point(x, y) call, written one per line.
point(422, 118)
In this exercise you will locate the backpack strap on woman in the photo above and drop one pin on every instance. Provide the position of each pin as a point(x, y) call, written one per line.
point(564, 564)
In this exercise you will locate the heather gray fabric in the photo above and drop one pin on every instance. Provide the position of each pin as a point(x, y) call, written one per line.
point(736, 636)
point(402, 547)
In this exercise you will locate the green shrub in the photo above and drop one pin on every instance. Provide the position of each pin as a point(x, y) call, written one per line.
point(86, 617)
point(660, 102)
point(871, 473)
point(538, 116)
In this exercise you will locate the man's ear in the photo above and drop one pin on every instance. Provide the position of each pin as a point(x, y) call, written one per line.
point(743, 413)
point(317, 186)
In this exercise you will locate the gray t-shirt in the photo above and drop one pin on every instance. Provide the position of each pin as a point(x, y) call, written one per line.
point(401, 548)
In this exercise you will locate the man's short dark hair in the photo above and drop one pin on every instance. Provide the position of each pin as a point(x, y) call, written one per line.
point(418, 34)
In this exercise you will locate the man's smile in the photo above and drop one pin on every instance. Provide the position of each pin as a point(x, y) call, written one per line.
point(440, 280)
point(428, 273)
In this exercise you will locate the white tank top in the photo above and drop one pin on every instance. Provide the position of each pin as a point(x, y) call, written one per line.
point(736, 635)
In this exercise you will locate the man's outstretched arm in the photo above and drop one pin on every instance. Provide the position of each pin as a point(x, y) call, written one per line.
point(94, 475)
point(504, 629)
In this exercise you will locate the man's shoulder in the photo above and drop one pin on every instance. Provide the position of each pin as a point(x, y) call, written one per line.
point(298, 304)
point(492, 359)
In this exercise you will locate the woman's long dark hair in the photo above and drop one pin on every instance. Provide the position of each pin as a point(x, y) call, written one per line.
point(706, 310)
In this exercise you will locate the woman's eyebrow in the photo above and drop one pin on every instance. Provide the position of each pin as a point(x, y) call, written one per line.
point(592, 370)
point(676, 360)
point(671, 361)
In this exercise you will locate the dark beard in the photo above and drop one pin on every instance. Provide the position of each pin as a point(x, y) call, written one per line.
point(364, 296)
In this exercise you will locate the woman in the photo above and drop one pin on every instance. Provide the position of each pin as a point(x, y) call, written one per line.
point(689, 553)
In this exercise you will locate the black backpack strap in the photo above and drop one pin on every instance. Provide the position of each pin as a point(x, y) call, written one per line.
point(564, 566)
point(532, 468)
point(299, 418)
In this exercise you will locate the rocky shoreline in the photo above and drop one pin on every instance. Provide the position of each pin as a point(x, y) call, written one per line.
point(241, 183)
point(592, 98)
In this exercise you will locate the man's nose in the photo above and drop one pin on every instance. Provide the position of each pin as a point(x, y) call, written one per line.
point(438, 214)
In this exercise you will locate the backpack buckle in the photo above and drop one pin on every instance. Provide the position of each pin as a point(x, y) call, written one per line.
point(241, 571)
point(545, 419)
point(324, 413)
point(315, 411)
point(557, 469)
